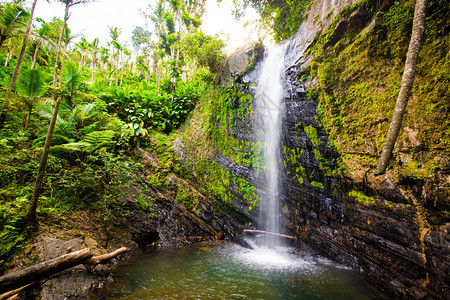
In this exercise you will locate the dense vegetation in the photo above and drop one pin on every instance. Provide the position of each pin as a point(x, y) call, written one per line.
point(112, 100)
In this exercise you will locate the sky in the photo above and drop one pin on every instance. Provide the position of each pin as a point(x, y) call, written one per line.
point(92, 19)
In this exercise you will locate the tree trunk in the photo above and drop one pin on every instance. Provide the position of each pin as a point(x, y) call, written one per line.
point(9, 53)
point(20, 58)
point(2, 40)
point(62, 66)
point(406, 86)
point(31, 215)
point(27, 120)
point(36, 50)
point(58, 51)
point(94, 66)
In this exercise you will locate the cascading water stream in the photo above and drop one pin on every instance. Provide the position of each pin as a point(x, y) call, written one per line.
point(268, 112)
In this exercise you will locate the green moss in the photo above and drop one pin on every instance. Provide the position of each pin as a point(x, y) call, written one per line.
point(186, 198)
point(317, 184)
point(361, 197)
point(311, 132)
point(389, 204)
point(220, 110)
point(146, 206)
point(329, 14)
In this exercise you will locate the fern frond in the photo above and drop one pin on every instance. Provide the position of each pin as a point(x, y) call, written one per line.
point(99, 139)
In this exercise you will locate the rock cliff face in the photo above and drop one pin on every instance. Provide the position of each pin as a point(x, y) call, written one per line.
point(393, 228)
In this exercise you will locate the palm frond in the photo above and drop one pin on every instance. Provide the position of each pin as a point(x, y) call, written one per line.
point(72, 77)
point(31, 84)
point(14, 19)
point(45, 110)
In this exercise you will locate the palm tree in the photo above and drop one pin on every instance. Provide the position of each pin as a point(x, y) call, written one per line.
point(31, 216)
point(30, 86)
point(20, 58)
point(406, 86)
point(68, 4)
point(42, 34)
point(13, 21)
point(67, 39)
point(114, 33)
point(72, 82)
point(94, 51)
point(83, 47)
point(104, 57)
point(119, 47)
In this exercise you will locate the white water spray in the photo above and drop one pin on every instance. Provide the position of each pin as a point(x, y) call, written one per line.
point(269, 94)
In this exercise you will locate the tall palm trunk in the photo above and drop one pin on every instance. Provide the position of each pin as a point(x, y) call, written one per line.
point(9, 53)
point(58, 49)
point(20, 58)
point(27, 119)
point(31, 215)
point(62, 66)
point(33, 62)
point(94, 67)
point(406, 86)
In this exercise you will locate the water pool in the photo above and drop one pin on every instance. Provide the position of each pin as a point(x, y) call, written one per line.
point(228, 271)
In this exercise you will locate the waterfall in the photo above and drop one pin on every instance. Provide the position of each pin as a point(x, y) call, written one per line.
point(268, 112)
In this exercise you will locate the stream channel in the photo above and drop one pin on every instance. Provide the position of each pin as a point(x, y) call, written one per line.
point(223, 270)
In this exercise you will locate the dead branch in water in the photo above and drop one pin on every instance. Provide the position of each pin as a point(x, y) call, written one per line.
point(269, 233)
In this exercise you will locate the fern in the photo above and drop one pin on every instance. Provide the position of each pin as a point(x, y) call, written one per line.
point(100, 139)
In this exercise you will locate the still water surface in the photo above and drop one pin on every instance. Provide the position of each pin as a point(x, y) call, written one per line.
point(228, 271)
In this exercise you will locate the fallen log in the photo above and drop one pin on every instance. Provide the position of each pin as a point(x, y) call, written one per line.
point(92, 262)
point(269, 233)
point(45, 269)
point(22, 277)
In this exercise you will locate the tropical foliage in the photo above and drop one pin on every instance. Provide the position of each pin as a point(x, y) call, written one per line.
point(111, 99)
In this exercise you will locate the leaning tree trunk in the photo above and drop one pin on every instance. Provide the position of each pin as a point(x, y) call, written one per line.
point(31, 216)
point(407, 82)
point(20, 58)
point(58, 49)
